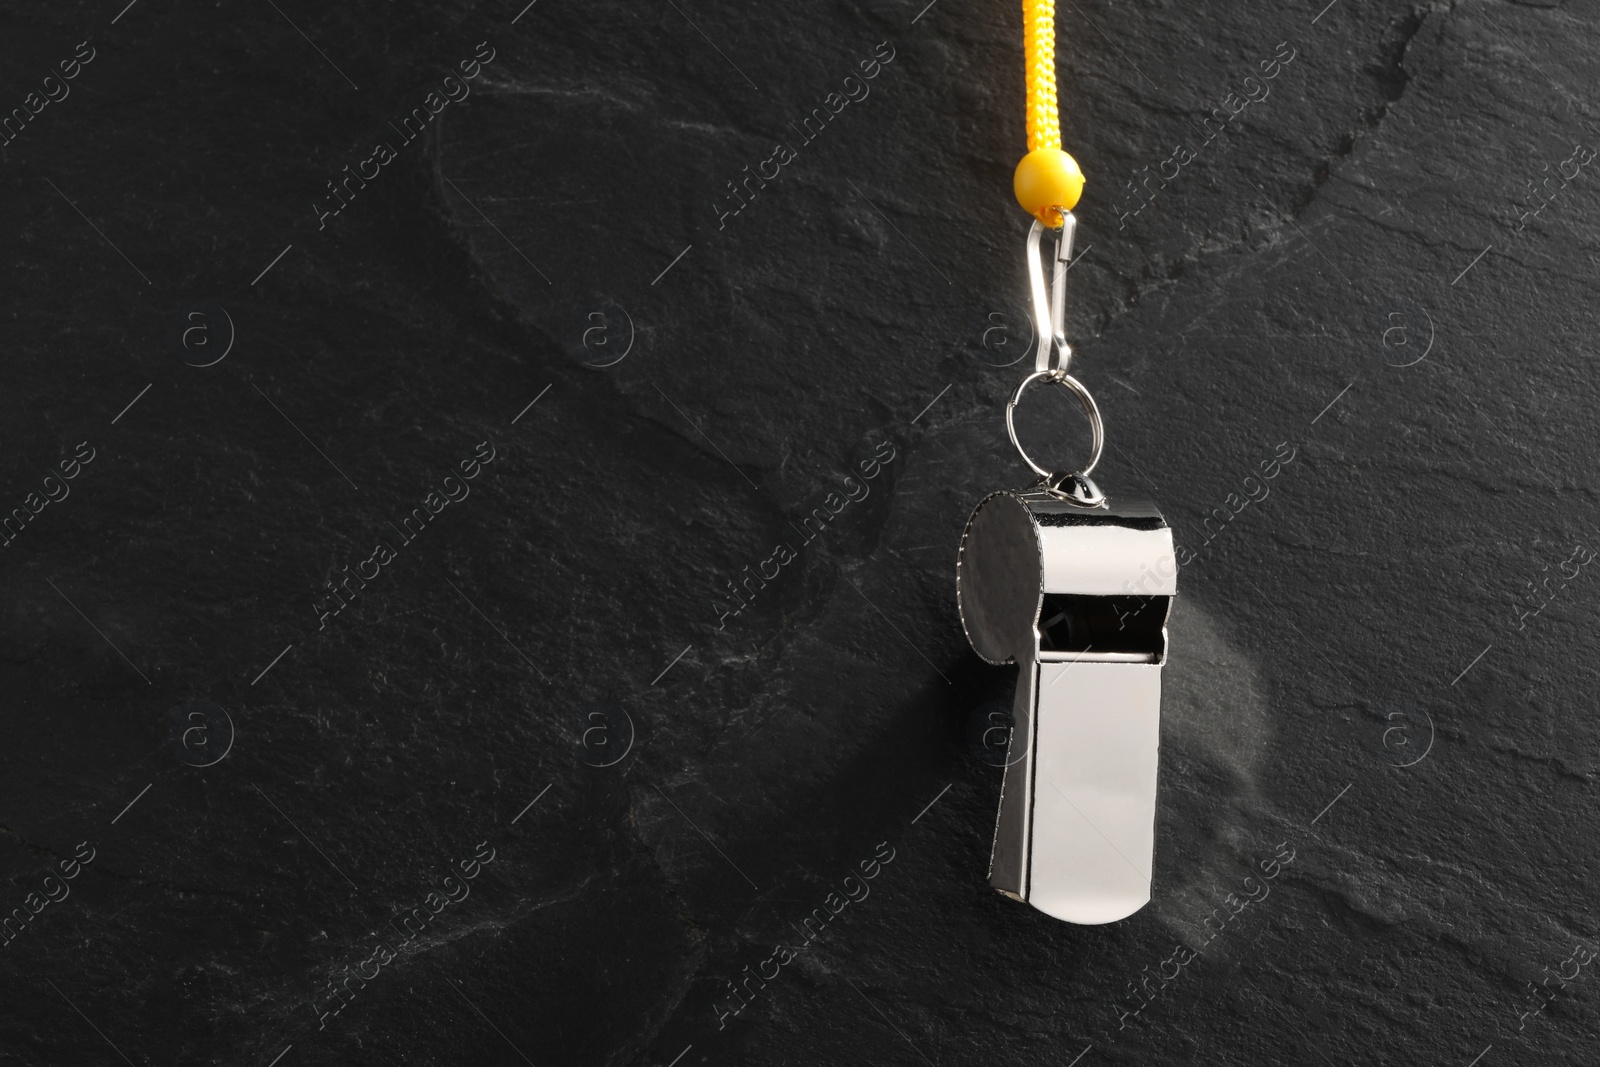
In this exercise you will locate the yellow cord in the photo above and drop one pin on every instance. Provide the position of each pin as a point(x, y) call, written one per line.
point(1039, 52)
point(1047, 181)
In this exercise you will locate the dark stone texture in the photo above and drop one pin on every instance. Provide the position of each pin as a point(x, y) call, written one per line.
point(554, 635)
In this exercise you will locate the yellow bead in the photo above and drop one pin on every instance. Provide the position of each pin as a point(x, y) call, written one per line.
point(1046, 180)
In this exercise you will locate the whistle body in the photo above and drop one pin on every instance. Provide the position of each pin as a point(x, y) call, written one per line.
point(1078, 598)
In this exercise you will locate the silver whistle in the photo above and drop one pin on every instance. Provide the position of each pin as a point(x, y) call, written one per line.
point(1074, 588)
point(1077, 596)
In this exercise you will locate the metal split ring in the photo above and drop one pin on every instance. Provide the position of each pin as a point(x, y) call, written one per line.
point(1097, 428)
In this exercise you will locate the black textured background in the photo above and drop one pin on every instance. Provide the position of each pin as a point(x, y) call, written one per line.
point(1380, 660)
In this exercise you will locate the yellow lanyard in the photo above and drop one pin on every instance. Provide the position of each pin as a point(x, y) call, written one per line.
point(1047, 181)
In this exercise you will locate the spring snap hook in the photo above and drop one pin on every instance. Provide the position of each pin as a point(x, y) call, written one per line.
point(1049, 309)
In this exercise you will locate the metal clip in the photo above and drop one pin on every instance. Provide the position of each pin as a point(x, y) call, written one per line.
point(1049, 310)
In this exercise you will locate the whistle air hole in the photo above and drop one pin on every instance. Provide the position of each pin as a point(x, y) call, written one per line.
point(1070, 622)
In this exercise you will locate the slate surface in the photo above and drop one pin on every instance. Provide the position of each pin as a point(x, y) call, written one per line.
point(1381, 266)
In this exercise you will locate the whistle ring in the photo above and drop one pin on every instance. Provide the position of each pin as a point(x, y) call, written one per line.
point(1097, 428)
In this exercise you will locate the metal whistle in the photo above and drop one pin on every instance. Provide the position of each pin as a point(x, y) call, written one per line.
point(1077, 596)
point(1074, 589)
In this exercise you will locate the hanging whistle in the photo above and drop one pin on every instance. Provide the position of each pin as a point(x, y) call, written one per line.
point(1075, 589)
